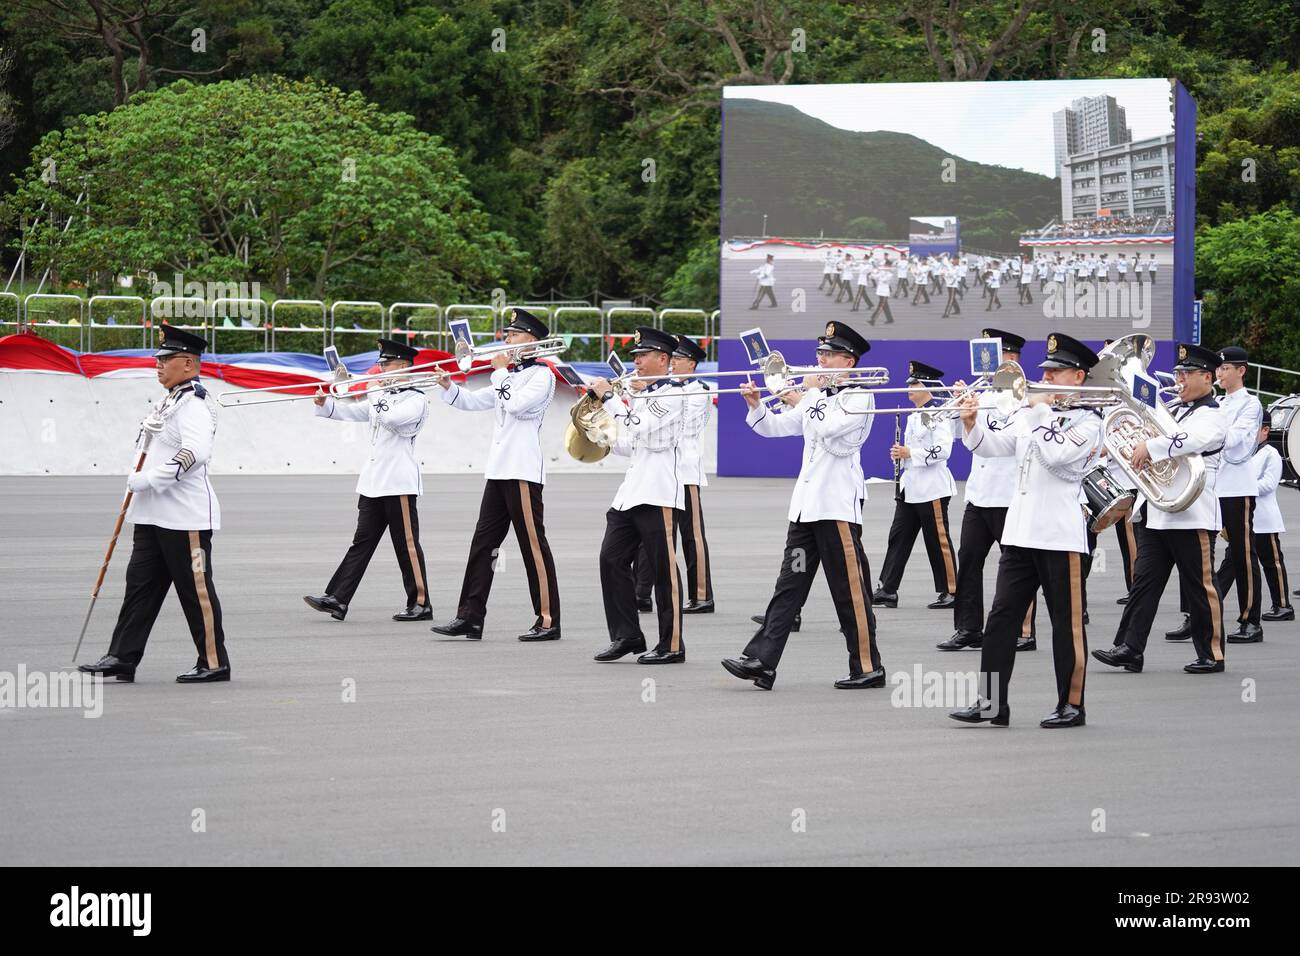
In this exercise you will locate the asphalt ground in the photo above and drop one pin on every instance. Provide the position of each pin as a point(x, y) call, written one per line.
point(501, 752)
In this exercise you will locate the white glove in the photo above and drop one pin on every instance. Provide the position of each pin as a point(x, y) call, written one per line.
point(137, 481)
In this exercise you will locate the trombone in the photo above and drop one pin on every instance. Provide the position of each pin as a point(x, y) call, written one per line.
point(270, 394)
point(464, 358)
point(777, 376)
point(1010, 389)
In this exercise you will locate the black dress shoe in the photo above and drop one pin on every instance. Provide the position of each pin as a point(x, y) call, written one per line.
point(110, 666)
point(1067, 715)
point(1123, 600)
point(960, 640)
point(698, 607)
point(1085, 617)
point(1247, 634)
point(1204, 666)
point(621, 648)
point(1027, 644)
point(981, 711)
point(751, 668)
point(643, 605)
point(883, 598)
point(539, 633)
point(1182, 632)
point(1121, 655)
point(662, 657)
point(861, 681)
point(459, 627)
point(328, 604)
point(204, 675)
point(941, 602)
point(1276, 613)
point(760, 621)
point(416, 613)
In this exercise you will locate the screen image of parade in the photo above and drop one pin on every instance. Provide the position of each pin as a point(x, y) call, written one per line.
point(929, 210)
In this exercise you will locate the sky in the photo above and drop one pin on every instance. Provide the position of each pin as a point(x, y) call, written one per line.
point(1000, 123)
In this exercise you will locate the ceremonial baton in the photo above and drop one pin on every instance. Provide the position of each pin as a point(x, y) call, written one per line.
point(145, 436)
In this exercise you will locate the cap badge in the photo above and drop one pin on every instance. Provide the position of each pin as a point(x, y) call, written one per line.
point(1051, 343)
point(830, 329)
point(1182, 353)
point(637, 337)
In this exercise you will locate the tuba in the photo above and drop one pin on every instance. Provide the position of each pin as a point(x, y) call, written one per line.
point(1170, 485)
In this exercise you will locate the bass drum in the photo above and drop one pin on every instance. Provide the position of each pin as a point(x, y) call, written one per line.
point(1284, 435)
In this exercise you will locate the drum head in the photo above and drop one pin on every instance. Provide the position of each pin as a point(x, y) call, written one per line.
point(1284, 435)
point(1113, 513)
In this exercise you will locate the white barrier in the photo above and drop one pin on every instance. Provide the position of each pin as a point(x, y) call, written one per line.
point(61, 424)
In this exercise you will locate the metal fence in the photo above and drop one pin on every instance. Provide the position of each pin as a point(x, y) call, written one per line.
point(127, 321)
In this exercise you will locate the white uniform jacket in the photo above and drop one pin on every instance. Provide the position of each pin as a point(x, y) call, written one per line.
point(925, 475)
point(1243, 415)
point(830, 485)
point(698, 409)
point(650, 433)
point(992, 480)
point(396, 416)
point(1053, 451)
point(520, 398)
point(179, 496)
point(1268, 472)
point(1202, 427)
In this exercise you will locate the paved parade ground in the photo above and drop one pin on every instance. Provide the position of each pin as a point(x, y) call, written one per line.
point(502, 752)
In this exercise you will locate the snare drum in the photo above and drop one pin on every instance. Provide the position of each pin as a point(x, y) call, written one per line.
point(1284, 435)
point(1108, 503)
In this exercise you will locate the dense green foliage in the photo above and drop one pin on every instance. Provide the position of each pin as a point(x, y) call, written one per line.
point(520, 158)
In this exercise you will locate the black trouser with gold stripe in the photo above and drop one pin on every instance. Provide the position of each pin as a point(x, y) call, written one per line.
point(1127, 536)
point(838, 546)
point(1239, 526)
point(931, 519)
point(161, 558)
point(1271, 563)
point(508, 502)
point(397, 515)
point(655, 527)
point(695, 552)
point(981, 528)
point(1021, 572)
point(1191, 550)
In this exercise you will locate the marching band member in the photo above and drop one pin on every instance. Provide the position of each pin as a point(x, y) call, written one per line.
point(825, 518)
point(387, 489)
point(1237, 487)
point(989, 490)
point(695, 548)
point(512, 496)
point(647, 506)
point(1044, 538)
point(766, 279)
point(1125, 529)
point(1267, 464)
point(1186, 538)
point(927, 486)
point(175, 511)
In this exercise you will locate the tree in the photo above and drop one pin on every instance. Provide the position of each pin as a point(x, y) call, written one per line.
point(1248, 273)
point(291, 183)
